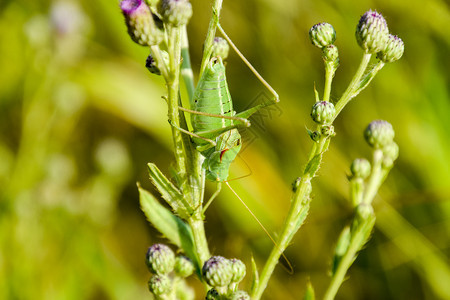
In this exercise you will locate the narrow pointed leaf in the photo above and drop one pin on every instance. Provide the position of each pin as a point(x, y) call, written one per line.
point(169, 192)
point(255, 277)
point(309, 294)
point(171, 226)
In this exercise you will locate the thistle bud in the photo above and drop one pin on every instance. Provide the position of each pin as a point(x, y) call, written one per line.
point(160, 259)
point(220, 48)
point(360, 168)
point(379, 134)
point(239, 295)
point(176, 12)
point(183, 266)
point(393, 51)
point(372, 32)
point(212, 294)
point(159, 284)
point(217, 271)
point(323, 112)
point(327, 130)
point(314, 135)
point(238, 268)
point(390, 154)
point(138, 17)
point(330, 54)
point(322, 35)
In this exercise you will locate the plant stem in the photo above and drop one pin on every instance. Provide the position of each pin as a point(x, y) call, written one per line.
point(297, 214)
point(349, 92)
point(329, 74)
point(376, 177)
point(173, 85)
point(300, 200)
point(186, 70)
point(358, 240)
point(189, 186)
point(201, 244)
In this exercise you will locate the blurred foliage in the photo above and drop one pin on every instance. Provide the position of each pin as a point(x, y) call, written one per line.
point(81, 116)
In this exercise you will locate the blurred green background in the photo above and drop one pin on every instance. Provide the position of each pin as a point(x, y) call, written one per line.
point(80, 117)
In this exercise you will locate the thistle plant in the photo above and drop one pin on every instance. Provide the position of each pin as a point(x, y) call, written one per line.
point(205, 149)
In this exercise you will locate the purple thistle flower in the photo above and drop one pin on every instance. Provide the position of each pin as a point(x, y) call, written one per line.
point(139, 20)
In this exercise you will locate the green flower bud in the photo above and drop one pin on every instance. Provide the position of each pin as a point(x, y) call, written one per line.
point(322, 35)
point(372, 32)
point(159, 284)
point(393, 51)
point(183, 266)
point(327, 130)
point(212, 294)
point(217, 271)
point(137, 17)
point(379, 133)
point(314, 135)
point(323, 112)
point(390, 154)
point(330, 54)
point(220, 48)
point(239, 295)
point(238, 268)
point(360, 168)
point(160, 259)
point(176, 12)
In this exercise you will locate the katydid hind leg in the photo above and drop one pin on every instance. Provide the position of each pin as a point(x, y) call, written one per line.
point(243, 122)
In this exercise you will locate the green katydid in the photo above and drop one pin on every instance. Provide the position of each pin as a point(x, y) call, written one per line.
point(215, 123)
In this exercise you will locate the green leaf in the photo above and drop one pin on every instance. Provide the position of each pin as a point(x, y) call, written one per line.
point(313, 165)
point(316, 93)
point(169, 192)
point(341, 248)
point(309, 294)
point(255, 277)
point(171, 226)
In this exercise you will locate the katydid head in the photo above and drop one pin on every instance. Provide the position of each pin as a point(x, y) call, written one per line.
point(216, 65)
point(217, 163)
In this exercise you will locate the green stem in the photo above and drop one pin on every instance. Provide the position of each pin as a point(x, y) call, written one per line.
point(359, 239)
point(329, 74)
point(173, 85)
point(182, 159)
point(186, 70)
point(296, 215)
point(349, 92)
point(201, 244)
point(207, 47)
point(160, 62)
point(376, 177)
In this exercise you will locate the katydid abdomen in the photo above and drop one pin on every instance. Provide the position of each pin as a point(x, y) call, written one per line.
point(213, 97)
